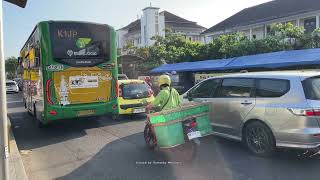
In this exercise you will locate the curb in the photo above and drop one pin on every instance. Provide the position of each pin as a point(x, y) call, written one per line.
point(16, 167)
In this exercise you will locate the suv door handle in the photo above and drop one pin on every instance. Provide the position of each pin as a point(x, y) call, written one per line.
point(246, 103)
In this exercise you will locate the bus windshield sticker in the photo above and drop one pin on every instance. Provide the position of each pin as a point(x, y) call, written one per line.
point(83, 42)
point(83, 82)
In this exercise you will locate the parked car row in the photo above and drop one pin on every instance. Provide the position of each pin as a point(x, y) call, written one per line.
point(265, 110)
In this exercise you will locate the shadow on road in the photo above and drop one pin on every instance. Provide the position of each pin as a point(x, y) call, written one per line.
point(216, 159)
point(29, 136)
point(129, 158)
point(284, 165)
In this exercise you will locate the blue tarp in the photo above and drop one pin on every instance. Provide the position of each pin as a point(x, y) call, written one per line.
point(208, 65)
point(277, 59)
point(268, 60)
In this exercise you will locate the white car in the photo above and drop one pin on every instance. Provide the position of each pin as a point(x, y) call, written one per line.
point(12, 86)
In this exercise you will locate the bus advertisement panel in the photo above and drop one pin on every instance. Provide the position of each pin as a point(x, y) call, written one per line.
point(70, 70)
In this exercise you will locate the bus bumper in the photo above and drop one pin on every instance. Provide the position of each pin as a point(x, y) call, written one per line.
point(56, 112)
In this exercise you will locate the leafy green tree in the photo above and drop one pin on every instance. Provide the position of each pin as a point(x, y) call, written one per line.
point(311, 40)
point(289, 34)
point(11, 65)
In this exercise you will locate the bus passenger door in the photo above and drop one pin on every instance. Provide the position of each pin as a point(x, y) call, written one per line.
point(29, 95)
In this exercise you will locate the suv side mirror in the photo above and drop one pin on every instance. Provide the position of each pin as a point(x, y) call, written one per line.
point(189, 96)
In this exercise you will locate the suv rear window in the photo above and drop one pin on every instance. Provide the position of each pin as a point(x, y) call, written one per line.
point(311, 88)
point(135, 91)
point(272, 87)
point(10, 83)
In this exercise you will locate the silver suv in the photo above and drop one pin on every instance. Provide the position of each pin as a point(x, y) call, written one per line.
point(265, 110)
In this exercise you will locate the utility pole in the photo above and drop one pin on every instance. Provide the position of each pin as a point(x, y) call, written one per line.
point(4, 170)
point(4, 148)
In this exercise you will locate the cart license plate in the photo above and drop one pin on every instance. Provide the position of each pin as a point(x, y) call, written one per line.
point(139, 110)
point(195, 134)
point(86, 112)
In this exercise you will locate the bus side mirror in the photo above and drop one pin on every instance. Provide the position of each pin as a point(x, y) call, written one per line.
point(20, 66)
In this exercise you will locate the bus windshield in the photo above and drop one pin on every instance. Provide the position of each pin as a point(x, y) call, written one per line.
point(78, 44)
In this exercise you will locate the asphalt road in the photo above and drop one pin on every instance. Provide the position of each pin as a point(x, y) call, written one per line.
point(99, 148)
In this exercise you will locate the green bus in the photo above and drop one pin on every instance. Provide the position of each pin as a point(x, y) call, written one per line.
point(69, 70)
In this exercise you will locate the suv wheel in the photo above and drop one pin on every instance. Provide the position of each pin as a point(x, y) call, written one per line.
point(259, 139)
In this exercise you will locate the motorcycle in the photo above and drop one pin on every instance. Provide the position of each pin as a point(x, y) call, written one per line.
point(190, 132)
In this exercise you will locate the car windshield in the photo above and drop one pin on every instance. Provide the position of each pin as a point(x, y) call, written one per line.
point(135, 91)
point(10, 83)
point(311, 88)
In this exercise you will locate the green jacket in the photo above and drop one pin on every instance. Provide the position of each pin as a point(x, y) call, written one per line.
point(163, 96)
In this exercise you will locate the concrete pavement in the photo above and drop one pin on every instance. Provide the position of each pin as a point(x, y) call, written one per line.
point(16, 168)
point(99, 148)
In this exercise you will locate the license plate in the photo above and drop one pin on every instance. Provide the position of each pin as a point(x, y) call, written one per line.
point(195, 134)
point(86, 112)
point(139, 110)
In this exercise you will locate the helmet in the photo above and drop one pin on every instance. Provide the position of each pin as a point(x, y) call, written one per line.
point(164, 79)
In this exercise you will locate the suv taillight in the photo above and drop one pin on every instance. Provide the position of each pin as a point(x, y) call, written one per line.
point(304, 112)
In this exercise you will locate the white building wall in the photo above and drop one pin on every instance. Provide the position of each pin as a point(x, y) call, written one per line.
point(152, 24)
point(162, 26)
point(121, 39)
point(258, 32)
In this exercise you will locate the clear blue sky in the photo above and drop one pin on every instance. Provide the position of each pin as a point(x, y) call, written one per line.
point(18, 22)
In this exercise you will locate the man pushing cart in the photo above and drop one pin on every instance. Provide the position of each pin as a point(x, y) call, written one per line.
point(173, 123)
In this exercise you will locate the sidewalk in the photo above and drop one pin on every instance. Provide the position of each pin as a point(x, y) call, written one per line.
point(16, 168)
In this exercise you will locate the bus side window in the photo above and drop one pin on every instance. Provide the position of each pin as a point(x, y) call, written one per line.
point(20, 66)
point(37, 57)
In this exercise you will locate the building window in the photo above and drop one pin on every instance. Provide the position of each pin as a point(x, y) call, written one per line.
point(269, 31)
point(157, 29)
point(310, 25)
point(145, 34)
point(157, 19)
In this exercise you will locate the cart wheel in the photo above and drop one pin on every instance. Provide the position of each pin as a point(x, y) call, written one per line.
point(149, 137)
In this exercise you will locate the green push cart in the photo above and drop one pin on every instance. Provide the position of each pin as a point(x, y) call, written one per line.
point(165, 129)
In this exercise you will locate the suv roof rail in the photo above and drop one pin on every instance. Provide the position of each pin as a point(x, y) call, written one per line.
point(244, 71)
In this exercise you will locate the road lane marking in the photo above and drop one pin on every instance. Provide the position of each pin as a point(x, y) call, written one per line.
point(14, 102)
